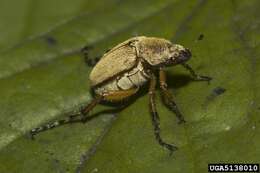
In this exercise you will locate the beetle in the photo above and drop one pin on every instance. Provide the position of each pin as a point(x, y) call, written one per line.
point(128, 66)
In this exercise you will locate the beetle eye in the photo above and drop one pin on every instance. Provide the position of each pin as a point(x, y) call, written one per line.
point(172, 49)
point(186, 53)
point(176, 55)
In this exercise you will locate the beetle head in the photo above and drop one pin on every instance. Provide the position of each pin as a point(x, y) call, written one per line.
point(160, 52)
point(178, 54)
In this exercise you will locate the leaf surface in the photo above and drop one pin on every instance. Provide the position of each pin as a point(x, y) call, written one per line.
point(43, 76)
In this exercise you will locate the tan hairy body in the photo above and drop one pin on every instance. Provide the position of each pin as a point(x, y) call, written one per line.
point(124, 69)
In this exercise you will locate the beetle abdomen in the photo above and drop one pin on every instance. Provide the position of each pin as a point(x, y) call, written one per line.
point(134, 78)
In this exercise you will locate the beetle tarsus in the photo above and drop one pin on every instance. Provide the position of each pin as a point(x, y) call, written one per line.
point(76, 117)
point(31, 135)
point(181, 121)
point(194, 75)
point(48, 126)
point(70, 119)
point(171, 148)
point(202, 78)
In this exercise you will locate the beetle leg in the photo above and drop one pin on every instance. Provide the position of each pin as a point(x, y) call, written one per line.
point(168, 97)
point(89, 61)
point(120, 95)
point(82, 115)
point(93, 61)
point(78, 117)
point(155, 116)
point(194, 75)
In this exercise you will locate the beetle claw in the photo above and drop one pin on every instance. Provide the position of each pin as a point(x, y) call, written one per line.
point(171, 148)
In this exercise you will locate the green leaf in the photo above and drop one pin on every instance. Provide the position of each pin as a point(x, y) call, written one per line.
point(43, 76)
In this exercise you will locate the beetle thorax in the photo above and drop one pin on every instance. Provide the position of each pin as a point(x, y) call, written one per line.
point(160, 52)
point(153, 50)
point(133, 78)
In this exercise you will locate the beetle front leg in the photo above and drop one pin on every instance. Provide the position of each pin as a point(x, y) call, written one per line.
point(194, 75)
point(168, 97)
point(155, 116)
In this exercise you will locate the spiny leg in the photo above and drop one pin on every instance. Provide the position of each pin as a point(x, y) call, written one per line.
point(78, 117)
point(82, 116)
point(168, 97)
point(89, 61)
point(155, 116)
point(194, 75)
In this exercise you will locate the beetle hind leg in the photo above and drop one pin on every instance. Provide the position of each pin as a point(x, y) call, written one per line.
point(119, 95)
point(78, 117)
point(82, 116)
